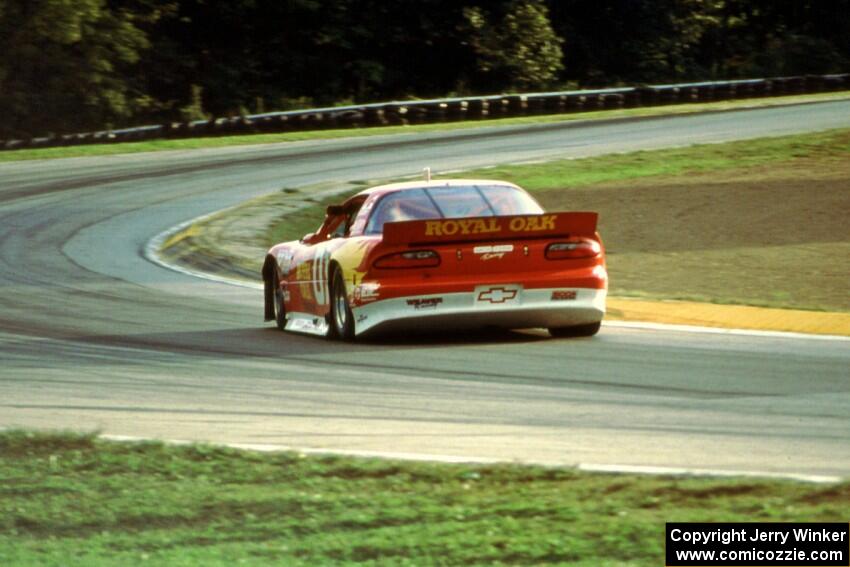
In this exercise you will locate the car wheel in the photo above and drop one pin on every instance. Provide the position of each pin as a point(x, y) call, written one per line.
point(342, 320)
point(279, 306)
point(576, 330)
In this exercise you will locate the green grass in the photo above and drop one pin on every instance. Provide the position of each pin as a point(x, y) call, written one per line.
point(75, 500)
point(827, 147)
point(255, 139)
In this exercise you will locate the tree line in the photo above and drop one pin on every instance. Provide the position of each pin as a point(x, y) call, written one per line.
point(76, 65)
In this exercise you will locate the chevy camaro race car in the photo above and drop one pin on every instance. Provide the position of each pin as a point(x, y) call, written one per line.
point(451, 254)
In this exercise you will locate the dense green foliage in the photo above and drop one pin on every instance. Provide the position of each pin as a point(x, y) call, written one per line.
point(67, 65)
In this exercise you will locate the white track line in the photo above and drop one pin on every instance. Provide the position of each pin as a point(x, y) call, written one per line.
point(456, 459)
point(151, 253)
point(677, 471)
point(721, 331)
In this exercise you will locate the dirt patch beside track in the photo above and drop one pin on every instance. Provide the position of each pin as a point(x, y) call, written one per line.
point(772, 237)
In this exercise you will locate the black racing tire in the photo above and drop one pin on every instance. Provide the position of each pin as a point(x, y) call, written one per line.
point(342, 319)
point(279, 305)
point(576, 330)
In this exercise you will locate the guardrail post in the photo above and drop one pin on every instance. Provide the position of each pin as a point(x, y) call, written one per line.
point(396, 114)
point(537, 105)
point(311, 121)
point(104, 138)
point(350, 118)
point(592, 101)
point(814, 84)
point(669, 95)
point(612, 100)
point(329, 121)
point(759, 89)
point(374, 116)
point(648, 96)
point(575, 103)
point(793, 85)
point(631, 99)
point(416, 114)
point(436, 111)
point(457, 110)
point(478, 109)
point(556, 104)
point(724, 91)
point(499, 108)
point(517, 105)
point(836, 82)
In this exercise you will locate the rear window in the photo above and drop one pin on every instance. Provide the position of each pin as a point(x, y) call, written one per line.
point(450, 202)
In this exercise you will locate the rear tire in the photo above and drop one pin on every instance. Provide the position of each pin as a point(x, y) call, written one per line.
point(342, 319)
point(279, 306)
point(576, 330)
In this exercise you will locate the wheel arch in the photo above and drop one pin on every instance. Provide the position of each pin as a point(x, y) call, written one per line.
point(333, 268)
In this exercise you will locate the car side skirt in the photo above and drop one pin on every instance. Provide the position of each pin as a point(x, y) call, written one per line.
point(506, 306)
point(306, 323)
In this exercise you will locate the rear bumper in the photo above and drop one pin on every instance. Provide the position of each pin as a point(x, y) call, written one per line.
point(506, 306)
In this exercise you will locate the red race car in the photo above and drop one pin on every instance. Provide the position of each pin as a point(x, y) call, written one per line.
point(449, 254)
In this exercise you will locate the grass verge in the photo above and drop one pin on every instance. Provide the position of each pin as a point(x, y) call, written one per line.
point(71, 499)
point(255, 139)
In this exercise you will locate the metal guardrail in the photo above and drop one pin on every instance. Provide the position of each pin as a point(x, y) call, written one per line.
point(452, 109)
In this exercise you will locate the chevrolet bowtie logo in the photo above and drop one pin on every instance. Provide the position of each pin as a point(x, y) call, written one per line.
point(497, 295)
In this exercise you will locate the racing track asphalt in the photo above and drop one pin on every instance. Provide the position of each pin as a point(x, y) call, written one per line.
point(93, 336)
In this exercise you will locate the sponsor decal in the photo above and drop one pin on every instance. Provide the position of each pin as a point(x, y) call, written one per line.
point(493, 249)
point(362, 317)
point(284, 261)
point(493, 252)
point(497, 294)
point(493, 256)
point(429, 303)
point(564, 294)
point(532, 224)
point(454, 227)
point(302, 274)
point(367, 292)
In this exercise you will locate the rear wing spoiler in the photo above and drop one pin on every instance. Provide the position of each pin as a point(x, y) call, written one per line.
point(544, 225)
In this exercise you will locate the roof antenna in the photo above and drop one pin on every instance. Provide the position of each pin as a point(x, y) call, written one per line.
point(427, 172)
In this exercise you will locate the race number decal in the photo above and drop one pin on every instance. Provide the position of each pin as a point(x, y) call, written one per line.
point(320, 276)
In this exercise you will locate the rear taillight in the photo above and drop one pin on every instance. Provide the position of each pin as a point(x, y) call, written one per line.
point(412, 259)
point(575, 248)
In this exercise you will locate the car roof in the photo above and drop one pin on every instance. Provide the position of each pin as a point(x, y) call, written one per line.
point(393, 187)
